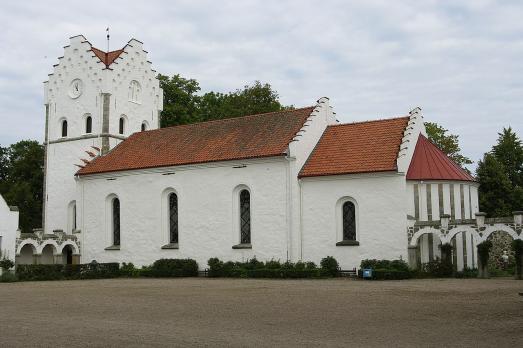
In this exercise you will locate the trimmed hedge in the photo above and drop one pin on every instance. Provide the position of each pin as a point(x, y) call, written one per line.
point(271, 269)
point(63, 272)
point(164, 268)
point(386, 269)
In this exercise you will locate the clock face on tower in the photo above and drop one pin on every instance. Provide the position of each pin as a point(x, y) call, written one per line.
point(76, 88)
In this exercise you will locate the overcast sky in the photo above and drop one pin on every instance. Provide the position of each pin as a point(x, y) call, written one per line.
point(461, 62)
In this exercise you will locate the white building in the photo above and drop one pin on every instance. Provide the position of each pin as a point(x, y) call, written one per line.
point(290, 185)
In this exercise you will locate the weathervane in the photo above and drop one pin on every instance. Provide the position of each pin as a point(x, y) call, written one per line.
point(107, 31)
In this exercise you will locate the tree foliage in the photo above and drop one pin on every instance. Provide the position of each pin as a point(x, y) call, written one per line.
point(509, 152)
point(21, 181)
point(183, 104)
point(448, 143)
point(500, 176)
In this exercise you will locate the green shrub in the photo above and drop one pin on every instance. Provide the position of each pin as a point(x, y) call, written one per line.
point(483, 251)
point(257, 269)
point(173, 268)
point(390, 274)
point(8, 277)
point(6, 264)
point(517, 246)
point(128, 270)
point(57, 272)
point(329, 266)
point(437, 269)
point(215, 267)
point(395, 265)
point(467, 273)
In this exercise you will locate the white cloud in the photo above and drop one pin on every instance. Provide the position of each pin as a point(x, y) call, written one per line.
point(460, 61)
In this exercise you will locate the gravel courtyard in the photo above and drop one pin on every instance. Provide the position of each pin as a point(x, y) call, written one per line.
point(248, 313)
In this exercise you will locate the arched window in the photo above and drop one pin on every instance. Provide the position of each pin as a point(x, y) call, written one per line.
point(349, 221)
point(245, 217)
point(64, 128)
point(173, 218)
point(116, 221)
point(121, 125)
point(71, 217)
point(144, 127)
point(74, 218)
point(88, 125)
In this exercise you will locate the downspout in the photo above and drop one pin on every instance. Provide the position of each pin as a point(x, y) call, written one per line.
point(288, 215)
point(300, 227)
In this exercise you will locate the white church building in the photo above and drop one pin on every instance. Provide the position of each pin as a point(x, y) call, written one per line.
point(288, 185)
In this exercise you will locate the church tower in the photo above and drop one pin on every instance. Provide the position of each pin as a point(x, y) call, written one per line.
point(93, 101)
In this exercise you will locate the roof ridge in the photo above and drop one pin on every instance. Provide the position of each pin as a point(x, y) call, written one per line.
point(368, 121)
point(230, 118)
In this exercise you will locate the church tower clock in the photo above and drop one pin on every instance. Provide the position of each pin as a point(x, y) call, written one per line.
point(93, 101)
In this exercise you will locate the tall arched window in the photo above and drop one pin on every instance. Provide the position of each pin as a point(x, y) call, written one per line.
point(144, 127)
point(116, 221)
point(64, 128)
point(88, 125)
point(245, 217)
point(121, 125)
point(349, 221)
point(173, 218)
point(74, 218)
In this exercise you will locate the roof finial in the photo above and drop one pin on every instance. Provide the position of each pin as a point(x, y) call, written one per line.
point(107, 31)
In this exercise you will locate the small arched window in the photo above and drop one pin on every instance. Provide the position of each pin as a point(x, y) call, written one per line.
point(349, 221)
point(64, 128)
point(173, 218)
point(88, 125)
point(144, 127)
point(121, 125)
point(245, 217)
point(116, 221)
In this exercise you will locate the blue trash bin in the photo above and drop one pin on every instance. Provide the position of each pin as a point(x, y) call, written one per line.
point(367, 273)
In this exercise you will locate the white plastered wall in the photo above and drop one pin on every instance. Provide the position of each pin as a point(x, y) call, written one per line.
point(207, 227)
point(8, 230)
point(381, 219)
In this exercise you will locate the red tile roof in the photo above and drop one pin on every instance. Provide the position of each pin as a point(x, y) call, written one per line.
point(362, 147)
point(430, 163)
point(262, 135)
point(106, 57)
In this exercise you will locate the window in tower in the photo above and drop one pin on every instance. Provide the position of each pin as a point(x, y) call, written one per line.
point(64, 128)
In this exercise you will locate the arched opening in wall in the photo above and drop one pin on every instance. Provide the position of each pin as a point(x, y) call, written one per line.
point(67, 255)
point(502, 261)
point(47, 257)
point(428, 248)
point(144, 126)
point(88, 125)
point(464, 253)
point(26, 256)
point(64, 128)
point(121, 125)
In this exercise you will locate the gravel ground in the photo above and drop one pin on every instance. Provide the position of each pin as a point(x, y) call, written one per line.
point(251, 313)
